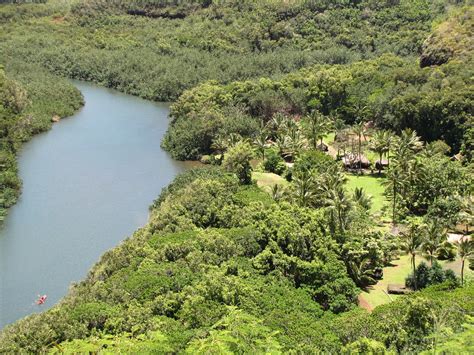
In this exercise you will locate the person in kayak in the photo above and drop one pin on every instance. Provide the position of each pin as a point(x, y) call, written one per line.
point(41, 300)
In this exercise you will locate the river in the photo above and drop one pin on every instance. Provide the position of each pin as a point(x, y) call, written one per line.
point(87, 185)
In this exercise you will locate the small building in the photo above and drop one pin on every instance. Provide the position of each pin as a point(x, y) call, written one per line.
point(395, 289)
point(352, 161)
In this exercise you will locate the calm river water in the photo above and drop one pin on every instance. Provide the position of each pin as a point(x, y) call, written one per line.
point(87, 185)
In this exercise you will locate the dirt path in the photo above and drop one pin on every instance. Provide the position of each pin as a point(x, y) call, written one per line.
point(364, 304)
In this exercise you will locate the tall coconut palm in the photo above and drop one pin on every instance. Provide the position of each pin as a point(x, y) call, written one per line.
point(379, 144)
point(466, 216)
point(304, 188)
point(394, 184)
point(412, 239)
point(359, 130)
point(433, 240)
point(260, 143)
point(465, 247)
point(405, 147)
point(339, 207)
point(316, 126)
point(362, 199)
point(390, 142)
point(338, 125)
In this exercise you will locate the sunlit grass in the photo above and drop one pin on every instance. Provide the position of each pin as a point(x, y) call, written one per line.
point(398, 272)
point(268, 179)
point(372, 185)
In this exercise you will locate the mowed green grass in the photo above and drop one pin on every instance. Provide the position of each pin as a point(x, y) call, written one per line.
point(397, 273)
point(372, 185)
point(267, 179)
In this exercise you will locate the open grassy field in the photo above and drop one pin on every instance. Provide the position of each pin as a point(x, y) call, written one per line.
point(267, 179)
point(372, 185)
point(396, 274)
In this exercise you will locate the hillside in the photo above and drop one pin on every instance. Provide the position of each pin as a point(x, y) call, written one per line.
point(223, 266)
point(148, 49)
point(337, 138)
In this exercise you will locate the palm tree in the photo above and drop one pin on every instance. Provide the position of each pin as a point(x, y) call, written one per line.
point(390, 141)
point(361, 272)
point(277, 191)
point(405, 148)
point(277, 123)
point(359, 130)
point(466, 216)
point(220, 144)
point(412, 238)
point(362, 199)
point(339, 207)
point(316, 126)
point(337, 124)
point(380, 144)
point(295, 141)
point(260, 143)
point(304, 188)
point(465, 248)
point(433, 240)
point(394, 184)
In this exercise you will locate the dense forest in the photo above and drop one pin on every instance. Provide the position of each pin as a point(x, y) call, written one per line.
point(337, 138)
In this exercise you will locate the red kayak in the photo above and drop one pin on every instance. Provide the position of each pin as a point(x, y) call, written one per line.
point(41, 300)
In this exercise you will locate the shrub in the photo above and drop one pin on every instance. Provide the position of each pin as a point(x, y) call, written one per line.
point(274, 163)
point(430, 275)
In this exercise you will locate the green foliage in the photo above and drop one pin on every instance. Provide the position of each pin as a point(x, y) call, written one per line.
point(430, 275)
point(221, 266)
point(365, 346)
point(237, 333)
point(237, 161)
point(274, 163)
point(27, 104)
point(394, 92)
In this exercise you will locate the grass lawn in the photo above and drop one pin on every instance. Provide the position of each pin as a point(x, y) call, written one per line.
point(372, 185)
point(267, 179)
point(329, 138)
point(396, 274)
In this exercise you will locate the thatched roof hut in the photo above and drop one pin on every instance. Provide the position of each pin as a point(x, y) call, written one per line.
point(352, 161)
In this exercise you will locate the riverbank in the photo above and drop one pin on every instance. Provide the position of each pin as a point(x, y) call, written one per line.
point(29, 99)
point(87, 184)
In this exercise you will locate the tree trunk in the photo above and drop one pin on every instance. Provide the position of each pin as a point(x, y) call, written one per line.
point(394, 203)
point(360, 149)
point(414, 270)
point(462, 272)
point(380, 164)
point(388, 158)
